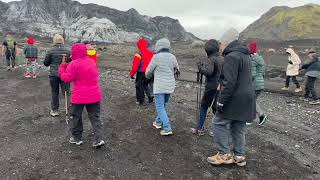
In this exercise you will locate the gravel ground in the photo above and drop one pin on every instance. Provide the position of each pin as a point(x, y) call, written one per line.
point(34, 145)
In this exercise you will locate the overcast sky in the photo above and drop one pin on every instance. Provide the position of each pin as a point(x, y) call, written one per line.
point(204, 18)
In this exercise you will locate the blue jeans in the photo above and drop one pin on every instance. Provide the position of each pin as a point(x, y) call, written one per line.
point(203, 116)
point(224, 129)
point(161, 101)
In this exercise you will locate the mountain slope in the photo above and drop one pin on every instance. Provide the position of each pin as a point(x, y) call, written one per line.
point(87, 21)
point(285, 23)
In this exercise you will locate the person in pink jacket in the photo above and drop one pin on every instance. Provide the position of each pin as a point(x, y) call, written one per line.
point(86, 92)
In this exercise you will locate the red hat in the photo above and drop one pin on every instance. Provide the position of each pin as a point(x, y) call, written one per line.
point(253, 47)
point(31, 41)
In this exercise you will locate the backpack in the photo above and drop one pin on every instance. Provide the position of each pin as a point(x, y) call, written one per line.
point(10, 43)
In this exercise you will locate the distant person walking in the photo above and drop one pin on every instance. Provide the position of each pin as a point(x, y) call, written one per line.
point(53, 59)
point(163, 67)
point(236, 106)
point(292, 70)
point(140, 63)
point(258, 74)
point(211, 68)
point(86, 92)
point(31, 55)
point(312, 74)
point(10, 51)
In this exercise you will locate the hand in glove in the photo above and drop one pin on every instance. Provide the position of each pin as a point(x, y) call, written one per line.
point(219, 107)
point(290, 62)
point(132, 77)
point(177, 73)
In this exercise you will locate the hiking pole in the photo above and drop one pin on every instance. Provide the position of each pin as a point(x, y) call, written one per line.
point(66, 94)
point(198, 91)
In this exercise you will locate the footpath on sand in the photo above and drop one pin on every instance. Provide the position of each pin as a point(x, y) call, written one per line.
point(34, 145)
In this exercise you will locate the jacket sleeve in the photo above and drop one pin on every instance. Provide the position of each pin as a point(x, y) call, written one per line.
point(230, 77)
point(152, 66)
point(47, 59)
point(206, 68)
point(67, 73)
point(135, 64)
point(307, 64)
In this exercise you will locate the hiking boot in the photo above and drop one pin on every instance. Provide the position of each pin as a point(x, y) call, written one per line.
point(151, 100)
point(305, 99)
point(285, 89)
point(98, 144)
point(240, 160)
point(72, 140)
point(314, 102)
point(166, 132)
point(298, 90)
point(156, 125)
point(34, 76)
point(27, 75)
point(262, 119)
point(139, 103)
point(198, 132)
point(220, 159)
point(54, 113)
point(211, 134)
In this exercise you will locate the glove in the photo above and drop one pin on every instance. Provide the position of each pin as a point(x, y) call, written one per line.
point(132, 77)
point(177, 73)
point(219, 107)
point(290, 62)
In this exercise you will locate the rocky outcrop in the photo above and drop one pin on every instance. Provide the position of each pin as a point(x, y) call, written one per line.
point(285, 23)
point(87, 21)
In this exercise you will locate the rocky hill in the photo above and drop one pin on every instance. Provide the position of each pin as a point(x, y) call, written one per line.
point(285, 23)
point(87, 21)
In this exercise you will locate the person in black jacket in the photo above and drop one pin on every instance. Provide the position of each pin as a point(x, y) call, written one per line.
point(54, 59)
point(236, 106)
point(211, 68)
point(312, 74)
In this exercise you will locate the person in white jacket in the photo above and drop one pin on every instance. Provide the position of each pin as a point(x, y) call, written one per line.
point(292, 70)
point(163, 67)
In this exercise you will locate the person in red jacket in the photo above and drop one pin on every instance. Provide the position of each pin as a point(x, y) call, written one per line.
point(140, 64)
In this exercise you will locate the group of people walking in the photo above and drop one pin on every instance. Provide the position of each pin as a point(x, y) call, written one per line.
point(234, 80)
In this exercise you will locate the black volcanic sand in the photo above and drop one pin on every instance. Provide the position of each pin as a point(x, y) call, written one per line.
point(34, 145)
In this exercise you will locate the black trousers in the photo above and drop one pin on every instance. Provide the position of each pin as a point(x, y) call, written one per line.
point(294, 79)
point(56, 83)
point(208, 97)
point(142, 87)
point(309, 89)
point(76, 126)
point(11, 58)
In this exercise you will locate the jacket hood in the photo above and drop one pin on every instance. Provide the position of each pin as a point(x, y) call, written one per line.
point(253, 47)
point(236, 46)
point(162, 44)
point(142, 44)
point(212, 47)
point(31, 41)
point(290, 51)
point(78, 51)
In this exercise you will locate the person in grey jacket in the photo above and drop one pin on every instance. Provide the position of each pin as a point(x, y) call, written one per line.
point(54, 59)
point(312, 73)
point(211, 68)
point(163, 67)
